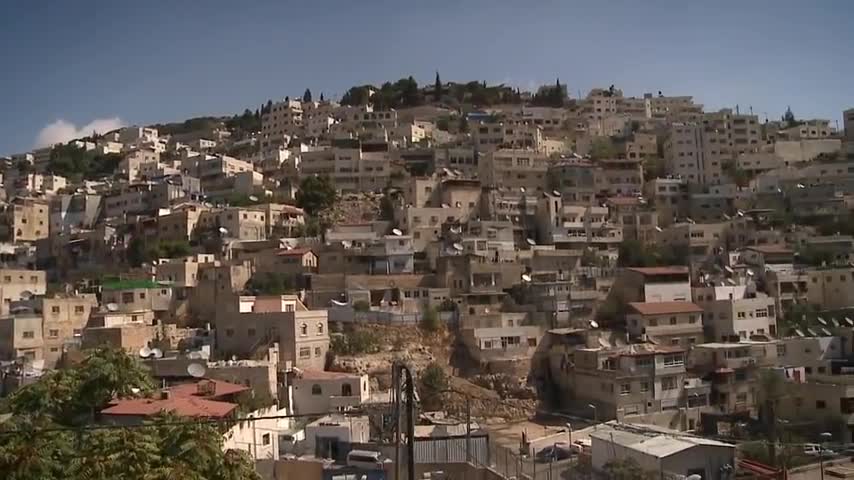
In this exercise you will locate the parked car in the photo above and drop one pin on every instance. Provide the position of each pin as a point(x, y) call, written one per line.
point(553, 453)
point(582, 445)
point(816, 450)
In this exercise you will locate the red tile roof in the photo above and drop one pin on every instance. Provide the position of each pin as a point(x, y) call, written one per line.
point(181, 406)
point(662, 308)
point(221, 389)
point(652, 271)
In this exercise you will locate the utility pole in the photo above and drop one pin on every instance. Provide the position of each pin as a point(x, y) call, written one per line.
point(398, 371)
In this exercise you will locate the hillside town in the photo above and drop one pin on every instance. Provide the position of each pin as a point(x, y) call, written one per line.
point(446, 280)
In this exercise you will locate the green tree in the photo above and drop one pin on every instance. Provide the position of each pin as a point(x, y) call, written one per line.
point(602, 148)
point(316, 194)
point(430, 320)
point(437, 88)
point(306, 96)
point(464, 123)
point(432, 382)
point(271, 283)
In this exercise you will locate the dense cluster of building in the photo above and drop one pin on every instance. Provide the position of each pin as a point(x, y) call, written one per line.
point(636, 258)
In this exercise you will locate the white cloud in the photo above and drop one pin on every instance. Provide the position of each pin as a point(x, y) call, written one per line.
point(62, 131)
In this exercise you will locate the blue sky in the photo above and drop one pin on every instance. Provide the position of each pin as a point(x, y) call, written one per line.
point(144, 62)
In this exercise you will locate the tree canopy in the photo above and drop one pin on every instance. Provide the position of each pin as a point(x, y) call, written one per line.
point(48, 435)
point(316, 194)
point(70, 160)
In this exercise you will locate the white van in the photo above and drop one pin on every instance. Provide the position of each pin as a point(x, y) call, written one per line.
point(365, 459)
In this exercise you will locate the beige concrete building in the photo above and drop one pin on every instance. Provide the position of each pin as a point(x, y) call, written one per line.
point(255, 323)
point(831, 288)
point(320, 392)
point(21, 337)
point(639, 380)
point(135, 295)
point(25, 220)
point(678, 324)
point(239, 223)
point(514, 169)
point(18, 284)
point(181, 272)
point(734, 313)
point(575, 226)
point(351, 166)
point(733, 369)
point(63, 320)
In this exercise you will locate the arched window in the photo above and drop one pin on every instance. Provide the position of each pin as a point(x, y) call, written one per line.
point(315, 390)
point(303, 329)
point(346, 390)
point(320, 328)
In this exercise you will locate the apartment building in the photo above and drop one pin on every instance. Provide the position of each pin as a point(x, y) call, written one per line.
point(255, 323)
point(18, 284)
point(808, 129)
point(384, 255)
point(825, 400)
point(677, 324)
point(511, 168)
point(578, 180)
point(283, 119)
point(830, 288)
point(425, 224)
point(352, 167)
point(317, 392)
point(735, 313)
point(69, 213)
point(637, 219)
point(25, 220)
point(502, 349)
point(575, 226)
point(180, 224)
point(181, 272)
point(639, 381)
point(699, 239)
point(669, 196)
point(240, 223)
point(283, 220)
point(733, 370)
point(21, 337)
point(63, 319)
point(136, 295)
point(457, 158)
point(647, 284)
point(622, 176)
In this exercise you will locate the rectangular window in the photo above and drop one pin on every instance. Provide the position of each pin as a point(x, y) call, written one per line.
point(625, 388)
point(53, 333)
point(250, 332)
point(317, 351)
point(644, 362)
point(668, 383)
point(79, 309)
point(127, 297)
point(820, 404)
point(305, 352)
point(229, 332)
point(674, 360)
point(28, 334)
point(54, 309)
point(265, 439)
point(644, 387)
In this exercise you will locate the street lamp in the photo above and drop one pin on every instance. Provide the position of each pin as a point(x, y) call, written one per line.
point(824, 436)
point(569, 431)
point(595, 414)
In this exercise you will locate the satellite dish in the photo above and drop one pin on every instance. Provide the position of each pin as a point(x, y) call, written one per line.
point(740, 213)
point(338, 304)
point(849, 321)
point(821, 321)
point(594, 324)
point(26, 295)
point(799, 333)
point(196, 370)
point(397, 232)
point(835, 322)
point(530, 241)
point(445, 205)
point(253, 198)
point(157, 353)
point(522, 189)
point(112, 307)
point(826, 332)
point(223, 230)
point(458, 247)
point(456, 230)
point(555, 193)
point(750, 272)
point(658, 229)
point(526, 277)
point(145, 352)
